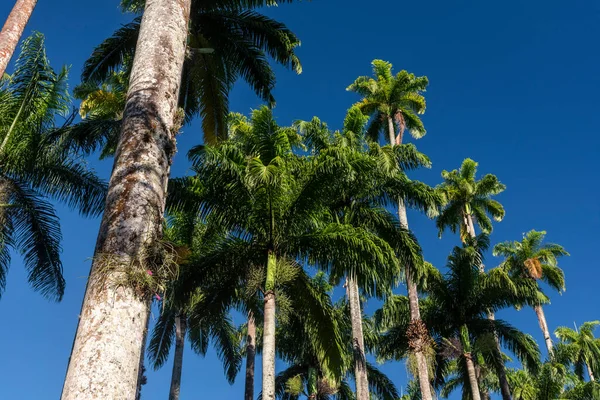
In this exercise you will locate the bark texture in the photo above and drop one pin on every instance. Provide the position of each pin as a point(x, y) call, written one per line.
point(13, 30)
point(358, 341)
point(472, 376)
point(104, 362)
point(180, 328)
point(539, 311)
point(413, 297)
point(590, 372)
point(268, 358)
point(250, 357)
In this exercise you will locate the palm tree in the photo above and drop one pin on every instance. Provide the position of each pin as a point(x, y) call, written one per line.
point(279, 205)
point(363, 190)
point(394, 103)
point(468, 201)
point(307, 375)
point(456, 311)
point(192, 316)
point(114, 316)
point(533, 260)
point(13, 30)
point(584, 346)
point(228, 40)
point(33, 170)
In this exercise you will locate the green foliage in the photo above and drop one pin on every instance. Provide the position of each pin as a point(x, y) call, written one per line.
point(35, 168)
point(387, 97)
point(465, 197)
point(241, 41)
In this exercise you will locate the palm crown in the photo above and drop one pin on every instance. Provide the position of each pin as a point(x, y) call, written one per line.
point(467, 198)
point(227, 40)
point(33, 168)
point(393, 101)
point(530, 258)
point(583, 347)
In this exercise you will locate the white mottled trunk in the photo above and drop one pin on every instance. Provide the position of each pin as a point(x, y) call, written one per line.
point(268, 354)
point(104, 362)
point(13, 30)
point(544, 327)
point(180, 328)
point(358, 341)
point(250, 357)
point(590, 372)
point(413, 297)
point(472, 377)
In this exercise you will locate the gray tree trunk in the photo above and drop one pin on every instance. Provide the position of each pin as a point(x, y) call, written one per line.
point(13, 30)
point(358, 341)
point(413, 296)
point(250, 357)
point(268, 354)
point(544, 327)
point(590, 372)
point(500, 368)
point(180, 328)
point(472, 377)
point(104, 362)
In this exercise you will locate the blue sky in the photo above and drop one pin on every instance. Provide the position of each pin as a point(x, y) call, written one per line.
point(513, 85)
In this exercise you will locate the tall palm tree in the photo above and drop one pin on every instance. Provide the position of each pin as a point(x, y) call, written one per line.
point(455, 312)
point(33, 170)
point(468, 201)
point(192, 316)
point(307, 375)
point(394, 103)
point(584, 346)
point(13, 30)
point(363, 192)
point(107, 351)
point(533, 260)
point(279, 205)
point(227, 40)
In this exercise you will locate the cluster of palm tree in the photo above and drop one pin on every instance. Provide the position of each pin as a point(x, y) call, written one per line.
point(271, 221)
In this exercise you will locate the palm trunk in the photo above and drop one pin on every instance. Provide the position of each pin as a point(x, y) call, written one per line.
point(180, 328)
point(13, 30)
point(413, 297)
point(472, 377)
point(358, 342)
point(104, 362)
point(268, 358)
point(250, 357)
point(500, 368)
point(590, 372)
point(544, 327)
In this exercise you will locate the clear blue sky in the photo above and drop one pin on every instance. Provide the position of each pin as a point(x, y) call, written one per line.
point(514, 85)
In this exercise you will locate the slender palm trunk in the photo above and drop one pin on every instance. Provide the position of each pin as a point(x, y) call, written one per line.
point(358, 341)
point(590, 372)
point(268, 358)
point(541, 316)
point(500, 368)
point(416, 325)
point(13, 30)
point(180, 328)
point(250, 357)
point(472, 377)
point(104, 362)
